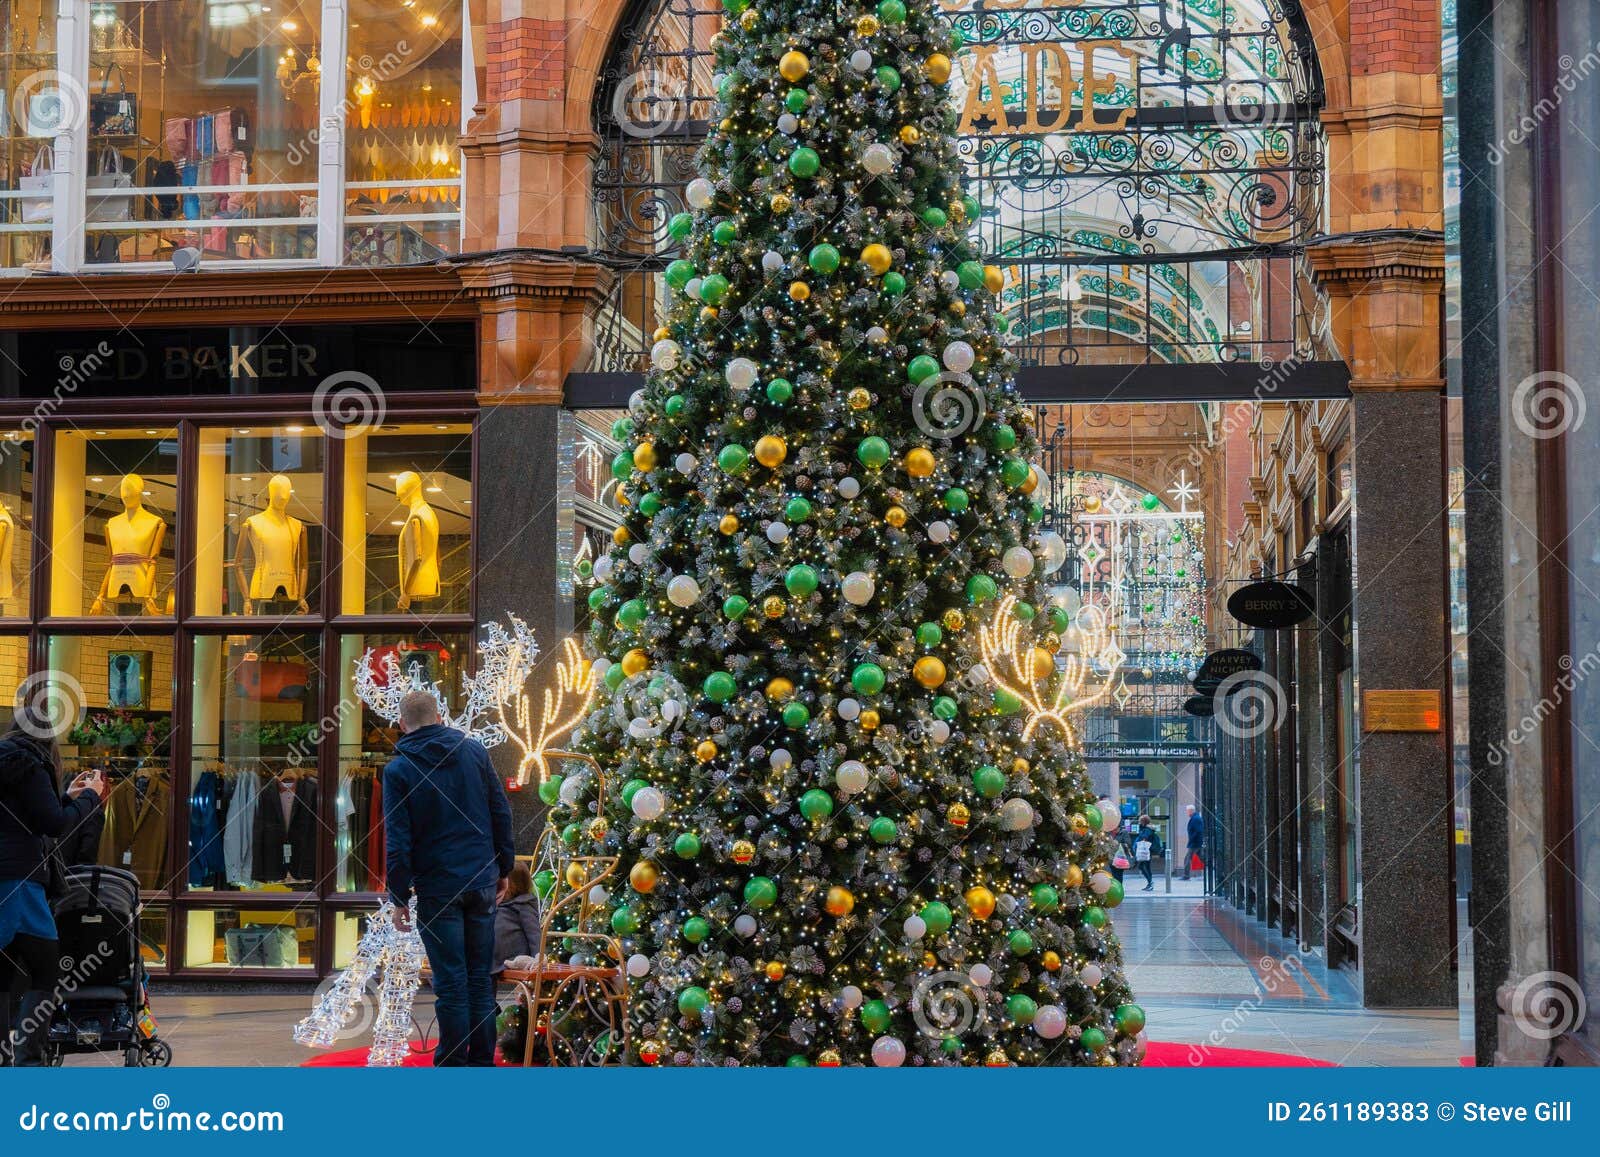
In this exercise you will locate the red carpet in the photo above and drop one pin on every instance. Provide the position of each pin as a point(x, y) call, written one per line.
point(1159, 1056)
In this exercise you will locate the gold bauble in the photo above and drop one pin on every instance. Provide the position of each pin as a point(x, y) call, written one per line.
point(1020, 766)
point(929, 960)
point(775, 970)
point(750, 18)
point(868, 719)
point(1079, 823)
point(938, 67)
point(782, 202)
point(729, 524)
point(780, 689)
point(993, 279)
point(650, 1052)
point(1043, 664)
point(726, 124)
point(1074, 876)
point(799, 291)
point(1051, 642)
point(771, 450)
point(705, 751)
point(839, 901)
point(953, 620)
point(1092, 503)
point(662, 333)
point(920, 462)
point(959, 308)
point(828, 1059)
point(957, 814)
point(997, 1059)
point(877, 258)
point(1032, 483)
point(620, 536)
point(929, 671)
point(895, 516)
point(598, 827)
point(708, 313)
point(642, 877)
point(957, 211)
point(743, 851)
point(866, 25)
point(772, 607)
point(910, 134)
point(634, 662)
point(1050, 961)
point(793, 66)
point(576, 876)
point(622, 497)
point(980, 901)
point(858, 399)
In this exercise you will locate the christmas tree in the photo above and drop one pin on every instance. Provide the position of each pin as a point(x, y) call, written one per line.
point(835, 693)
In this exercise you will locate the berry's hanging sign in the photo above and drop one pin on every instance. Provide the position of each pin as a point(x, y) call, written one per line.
point(1271, 604)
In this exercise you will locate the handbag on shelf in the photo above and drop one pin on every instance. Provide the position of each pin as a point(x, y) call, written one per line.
point(105, 204)
point(231, 128)
point(113, 114)
point(40, 208)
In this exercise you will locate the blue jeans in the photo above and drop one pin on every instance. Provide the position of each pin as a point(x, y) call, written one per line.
point(459, 936)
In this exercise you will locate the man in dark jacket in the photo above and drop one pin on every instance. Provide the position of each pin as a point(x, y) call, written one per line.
point(1197, 840)
point(448, 835)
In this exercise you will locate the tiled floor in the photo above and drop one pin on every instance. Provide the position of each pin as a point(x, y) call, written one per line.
point(1206, 975)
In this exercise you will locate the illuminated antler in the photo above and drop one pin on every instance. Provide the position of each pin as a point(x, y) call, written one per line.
point(1031, 675)
point(575, 678)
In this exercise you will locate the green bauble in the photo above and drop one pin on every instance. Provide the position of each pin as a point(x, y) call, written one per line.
point(1006, 702)
point(873, 452)
point(929, 634)
point(650, 505)
point(720, 686)
point(823, 258)
point(956, 500)
point(1045, 898)
point(934, 217)
point(795, 100)
point(733, 458)
point(804, 162)
point(1024, 612)
point(894, 284)
point(800, 581)
point(796, 1061)
point(622, 429)
point(713, 289)
point(1093, 1039)
point(631, 613)
point(888, 77)
point(922, 368)
point(1095, 916)
point(867, 678)
point(622, 466)
point(614, 676)
point(892, 12)
point(1036, 512)
point(1001, 325)
point(1004, 438)
point(695, 929)
point(1092, 814)
point(779, 390)
point(816, 804)
point(970, 204)
point(1150, 502)
point(882, 830)
point(674, 405)
point(796, 716)
point(597, 598)
point(1020, 943)
point(725, 233)
point(1060, 620)
point(875, 1016)
point(632, 788)
point(1021, 1008)
point(936, 915)
point(686, 846)
point(989, 780)
point(1014, 472)
point(624, 922)
point(735, 606)
point(1114, 894)
point(679, 273)
point(980, 589)
point(544, 882)
point(1130, 1019)
point(693, 1000)
point(760, 892)
point(735, 7)
point(970, 273)
point(550, 791)
point(945, 708)
point(950, 1045)
point(797, 509)
point(681, 225)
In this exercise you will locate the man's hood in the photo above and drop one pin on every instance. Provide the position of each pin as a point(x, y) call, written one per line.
point(432, 745)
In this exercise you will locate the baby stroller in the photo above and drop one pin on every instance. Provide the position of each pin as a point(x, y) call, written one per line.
point(102, 1005)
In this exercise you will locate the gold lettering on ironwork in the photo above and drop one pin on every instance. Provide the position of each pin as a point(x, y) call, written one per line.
point(1105, 83)
point(1044, 90)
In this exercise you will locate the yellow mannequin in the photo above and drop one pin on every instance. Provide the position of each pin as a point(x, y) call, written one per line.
point(134, 539)
point(274, 541)
point(419, 543)
point(8, 546)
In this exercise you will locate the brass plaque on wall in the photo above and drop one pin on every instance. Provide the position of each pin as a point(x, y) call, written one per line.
point(1402, 711)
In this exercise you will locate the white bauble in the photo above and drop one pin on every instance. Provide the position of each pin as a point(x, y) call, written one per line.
point(1016, 814)
point(780, 758)
point(950, 281)
point(939, 531)
point(638, 965)
point(849, 709)
point(571, 790)
point(683, 591)
point(741, 373)
point(1053, 550)
point(598, 894)
point(664, 354)
point(1006, 902)
point(788, 124)
point(940, 730)
point(977, 675)
point(771, 261)
point(861, 61)
point(638, 554)
point(1091, 974)
point(636, 401)
point(685, 463)
point(848, 487)
point(1017, 562)
point(777, 532)
point(980, 975)
point(700, 193)
point(877, 335)
point(857, 588)
point(1070, 601)
point(692, 287)
point(602, 568)
point(1110, 815)
point(888, 1052)
point(600, 666)
point(852, 776)
point(1100, 883)
point(1049, 1022)
point(649, 803)
point(959, 356)
point(877, 159)
point(850, 996)
point(915, 927)
point(745, 925)
point(1141, 1043)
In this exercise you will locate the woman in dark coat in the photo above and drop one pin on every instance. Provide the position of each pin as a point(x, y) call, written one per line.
point(516, 920)
point(34, 817)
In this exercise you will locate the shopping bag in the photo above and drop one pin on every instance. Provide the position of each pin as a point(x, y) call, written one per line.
point(1142, 850)
point(113, 113)
point(39, 209)
point(104, 203)
point(1196, 864)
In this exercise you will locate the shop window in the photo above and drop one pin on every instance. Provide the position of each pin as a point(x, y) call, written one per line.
point(155, 936)
point(30, 111)
point(113, 511)
point(268, 938)
point(202, 125)
point(407, 521)
point(403, 113)
point(254, 804)
point(16, 522)
point(13, 673)
point(125, 682)
point(366, 741)
point(258, 512)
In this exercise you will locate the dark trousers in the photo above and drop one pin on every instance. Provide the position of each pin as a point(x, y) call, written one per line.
point(1144, 869)
point(1188, 860)
point(459, 936)
point(28, 975)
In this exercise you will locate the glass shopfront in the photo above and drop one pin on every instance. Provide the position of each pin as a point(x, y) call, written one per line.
point(204, 590)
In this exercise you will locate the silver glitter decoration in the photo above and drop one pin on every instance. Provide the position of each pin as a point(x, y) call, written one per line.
point(397, 958)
